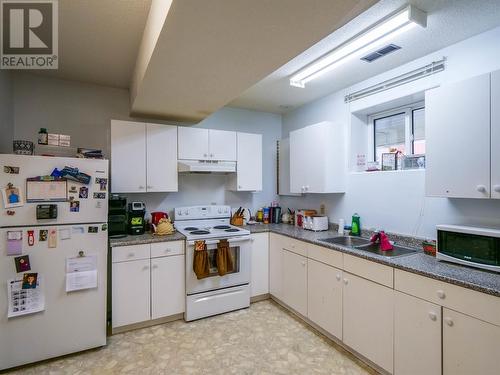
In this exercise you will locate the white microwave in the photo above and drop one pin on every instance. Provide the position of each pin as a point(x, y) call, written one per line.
point(469, 245)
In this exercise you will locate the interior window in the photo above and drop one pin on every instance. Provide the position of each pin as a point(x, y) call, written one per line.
point(389, 134)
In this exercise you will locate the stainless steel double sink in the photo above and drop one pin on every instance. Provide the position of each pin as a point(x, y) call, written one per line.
point(365, 245)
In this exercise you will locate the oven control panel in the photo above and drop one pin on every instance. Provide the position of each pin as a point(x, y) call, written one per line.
point(202, 212)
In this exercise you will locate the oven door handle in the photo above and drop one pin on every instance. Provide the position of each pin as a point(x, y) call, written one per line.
point(230, 240)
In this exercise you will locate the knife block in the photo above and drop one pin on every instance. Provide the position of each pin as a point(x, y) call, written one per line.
point(237, 220)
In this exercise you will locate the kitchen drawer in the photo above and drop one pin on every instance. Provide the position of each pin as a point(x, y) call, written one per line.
point(132, 252)
point(467, 301)
point(369, 270)
point(325, 255)
point(162, 249)
point(295, 246)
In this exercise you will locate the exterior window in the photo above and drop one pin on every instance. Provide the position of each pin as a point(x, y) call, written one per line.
point(389, 133)
point(418, 121)
point(402, 130)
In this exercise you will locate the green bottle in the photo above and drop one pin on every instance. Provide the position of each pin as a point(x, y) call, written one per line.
point(356, 226)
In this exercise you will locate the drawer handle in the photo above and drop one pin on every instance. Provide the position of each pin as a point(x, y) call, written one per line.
point(338, 277)
point(303, 264)
point(131, 255)
point(441, 294)
point(346, 281)
point(168, 250)
point(496, 188)
point(155, 266)
point(449, 321)
point(432, 316)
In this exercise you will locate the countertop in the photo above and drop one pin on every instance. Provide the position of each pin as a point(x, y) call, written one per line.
point(419, 263)
point(144, 238)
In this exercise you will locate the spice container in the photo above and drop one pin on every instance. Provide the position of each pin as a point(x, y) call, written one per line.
point(43, 136)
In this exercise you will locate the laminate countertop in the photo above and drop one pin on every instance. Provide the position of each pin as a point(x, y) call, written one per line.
point(419, 263)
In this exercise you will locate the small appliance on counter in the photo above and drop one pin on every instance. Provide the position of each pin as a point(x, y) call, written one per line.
point(300, 216)
point(316, 223)
point(469, 245)
point(156, 217)
point(136, 223)
point(117, 216)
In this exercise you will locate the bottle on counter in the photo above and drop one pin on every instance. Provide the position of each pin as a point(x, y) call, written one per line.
point(266, 215)
point(43, 136)
point(260, 215)
point(356, 225)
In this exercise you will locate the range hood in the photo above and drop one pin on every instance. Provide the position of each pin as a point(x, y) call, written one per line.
point(206, 166)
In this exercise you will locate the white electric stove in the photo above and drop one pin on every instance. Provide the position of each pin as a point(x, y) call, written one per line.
point(214, 294)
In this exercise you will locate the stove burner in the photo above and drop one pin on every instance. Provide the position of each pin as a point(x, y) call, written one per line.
point(222, 227)
point(199, 232)
point(190, 228)
point(232, 230)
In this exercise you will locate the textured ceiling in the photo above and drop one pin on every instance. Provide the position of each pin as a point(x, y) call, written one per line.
point(99, 40)
point(448, 22)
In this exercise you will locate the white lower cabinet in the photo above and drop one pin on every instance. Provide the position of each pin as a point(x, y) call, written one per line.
point(417, 336)
point(168, 295)
point(324, 297)
point(131, 292)
point(146, 284)
point(470, 345)
point(368, 319)
point(295, 281)
point(259, 283)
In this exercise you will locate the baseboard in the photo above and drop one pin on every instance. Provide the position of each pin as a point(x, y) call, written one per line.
point(260, 297)
point(147, 323)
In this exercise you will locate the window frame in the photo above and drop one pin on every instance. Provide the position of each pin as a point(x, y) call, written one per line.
point(407, 110)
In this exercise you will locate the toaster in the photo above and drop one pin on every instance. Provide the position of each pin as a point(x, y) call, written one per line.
point(316, 223)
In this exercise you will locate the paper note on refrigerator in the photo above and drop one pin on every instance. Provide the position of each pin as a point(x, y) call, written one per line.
point(81, 273)
point(24, 301)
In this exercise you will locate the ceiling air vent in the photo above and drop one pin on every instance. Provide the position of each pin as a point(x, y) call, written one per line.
point(381, 52)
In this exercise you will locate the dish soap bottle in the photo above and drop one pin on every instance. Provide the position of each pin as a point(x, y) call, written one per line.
point(356, 227)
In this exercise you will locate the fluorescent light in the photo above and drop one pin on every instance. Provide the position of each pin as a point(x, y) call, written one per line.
point(377, 35)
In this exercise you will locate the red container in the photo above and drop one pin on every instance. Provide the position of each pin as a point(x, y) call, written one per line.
point(156, 216)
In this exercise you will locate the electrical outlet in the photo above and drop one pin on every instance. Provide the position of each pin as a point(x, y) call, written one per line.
point(322, 209)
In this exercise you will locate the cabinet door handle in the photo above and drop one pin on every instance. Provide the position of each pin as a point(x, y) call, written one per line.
point(141, 187)
point(441, 294)
point(149, 187)
point(131, 255)
point(239, 186)
point(346, 281)
point(432, 316)
point(496, 188)
point(449, 321)
point(155, 266)
point(146, 268)
point(481, 188)
point(205, 155)
point(338, 277)
point(211, 155)
point(303, 264)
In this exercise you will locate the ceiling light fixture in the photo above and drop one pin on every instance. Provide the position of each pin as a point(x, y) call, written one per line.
point(375, 36)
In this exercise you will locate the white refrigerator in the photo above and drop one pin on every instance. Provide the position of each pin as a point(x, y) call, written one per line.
point(70, 320)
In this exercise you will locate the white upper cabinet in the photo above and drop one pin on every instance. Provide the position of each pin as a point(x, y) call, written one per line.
point(128, 157)
point(249, 163)
point(143, 157)
point(193, 143)
point(457, 129)
point(161, 157)
point(206, 144)
point(222, 145)
point(495, 134)
point(317, 159)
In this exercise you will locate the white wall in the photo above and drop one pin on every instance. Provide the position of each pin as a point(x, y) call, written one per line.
point(6, 112)
point(395, 201)
point(84, 111)
point(197, 189)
